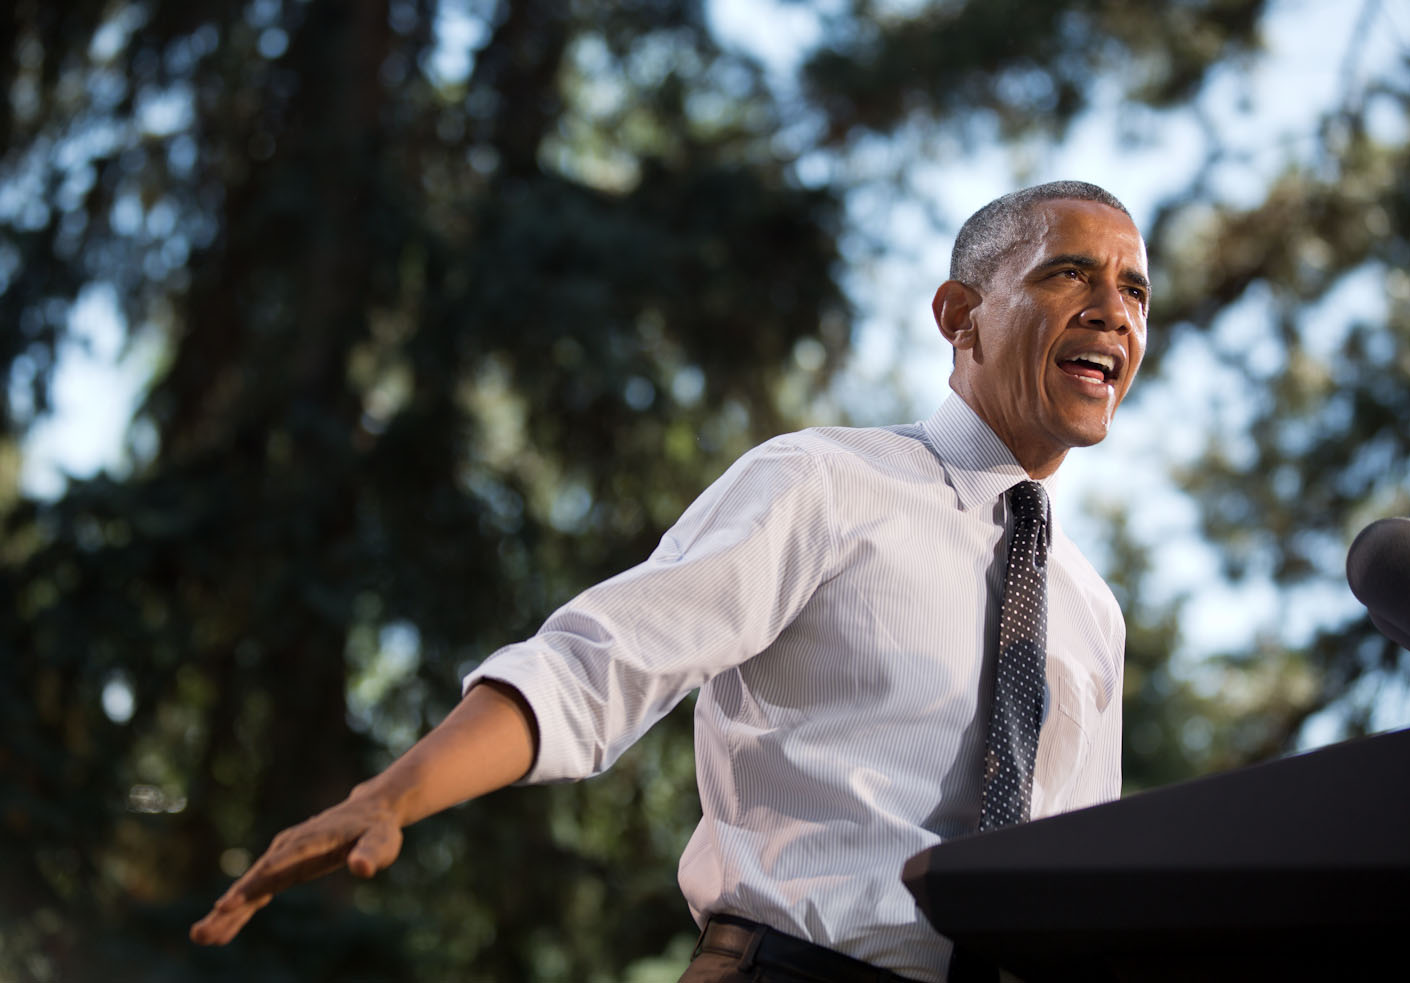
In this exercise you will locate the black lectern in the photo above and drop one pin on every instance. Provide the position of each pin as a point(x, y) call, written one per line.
point(1298, 869)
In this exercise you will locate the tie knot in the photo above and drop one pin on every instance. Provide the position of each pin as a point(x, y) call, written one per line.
point(1028, 500)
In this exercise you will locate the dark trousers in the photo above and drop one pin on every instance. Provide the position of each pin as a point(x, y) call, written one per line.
point(736, 950)
point(717, 967)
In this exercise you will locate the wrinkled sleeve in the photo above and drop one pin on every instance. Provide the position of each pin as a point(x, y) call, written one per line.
point(730, 575)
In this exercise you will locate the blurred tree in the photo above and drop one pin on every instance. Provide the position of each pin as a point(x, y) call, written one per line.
point(457, 305)
point(443, 341)
point(1323, 449)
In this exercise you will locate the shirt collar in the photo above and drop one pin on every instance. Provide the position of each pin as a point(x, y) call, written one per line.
point(978, 465)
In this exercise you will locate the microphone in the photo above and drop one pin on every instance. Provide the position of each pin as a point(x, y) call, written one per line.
point(1378, 570)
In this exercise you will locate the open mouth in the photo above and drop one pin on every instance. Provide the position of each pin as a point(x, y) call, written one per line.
point(1093, 366)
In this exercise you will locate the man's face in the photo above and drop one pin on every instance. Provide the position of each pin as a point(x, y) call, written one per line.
point(1058, 333)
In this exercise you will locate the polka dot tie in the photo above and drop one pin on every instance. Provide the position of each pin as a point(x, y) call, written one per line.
point(1020, 680)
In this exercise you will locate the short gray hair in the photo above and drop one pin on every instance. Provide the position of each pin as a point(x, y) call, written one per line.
point(991, 232)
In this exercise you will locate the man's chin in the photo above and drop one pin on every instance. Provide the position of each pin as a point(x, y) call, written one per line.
point(1083, 421)
point(1087, 434)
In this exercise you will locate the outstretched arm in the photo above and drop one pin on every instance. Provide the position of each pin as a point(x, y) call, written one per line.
point(487, 742)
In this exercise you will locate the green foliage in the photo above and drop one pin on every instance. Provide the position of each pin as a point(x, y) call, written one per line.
point(426, 373)
point(1025, 66)
point(1324, 449)
point(440, 342)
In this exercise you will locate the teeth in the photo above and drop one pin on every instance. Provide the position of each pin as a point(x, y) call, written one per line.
point(1105, 361)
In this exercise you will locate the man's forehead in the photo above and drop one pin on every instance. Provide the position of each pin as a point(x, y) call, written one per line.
point(1084, 228)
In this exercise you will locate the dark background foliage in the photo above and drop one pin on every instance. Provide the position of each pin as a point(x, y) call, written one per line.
point(438, 349)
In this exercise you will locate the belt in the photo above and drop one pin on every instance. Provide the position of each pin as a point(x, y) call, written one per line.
point(758, 945)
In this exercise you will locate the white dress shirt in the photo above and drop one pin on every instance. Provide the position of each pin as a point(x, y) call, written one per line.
point(834, 594)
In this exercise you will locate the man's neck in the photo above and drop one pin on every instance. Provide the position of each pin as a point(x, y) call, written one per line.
point(1040, 461)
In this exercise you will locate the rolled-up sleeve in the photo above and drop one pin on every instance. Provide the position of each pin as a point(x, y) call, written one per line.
point(730, 575)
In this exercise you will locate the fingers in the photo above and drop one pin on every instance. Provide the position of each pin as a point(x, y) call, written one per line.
point(222, 925)
point(366, 844)
point(375, 850)
point(280, 870)
point(272, 873)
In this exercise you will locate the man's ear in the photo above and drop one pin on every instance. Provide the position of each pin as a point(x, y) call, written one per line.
point(954, 306)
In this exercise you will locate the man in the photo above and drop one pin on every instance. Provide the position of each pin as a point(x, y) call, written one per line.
point(837, 595)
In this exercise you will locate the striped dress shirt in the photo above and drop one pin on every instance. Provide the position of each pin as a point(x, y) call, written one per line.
point(835, 596)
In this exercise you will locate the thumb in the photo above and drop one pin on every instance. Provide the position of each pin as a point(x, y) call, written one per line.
point(375, 850)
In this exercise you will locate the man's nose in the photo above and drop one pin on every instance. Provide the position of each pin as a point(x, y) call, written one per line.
point(1106, 309)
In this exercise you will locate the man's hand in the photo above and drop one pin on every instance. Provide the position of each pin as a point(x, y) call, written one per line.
point(361, 833)
point(488, 741)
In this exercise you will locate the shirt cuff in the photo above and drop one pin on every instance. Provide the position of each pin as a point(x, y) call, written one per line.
point(563, 754)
